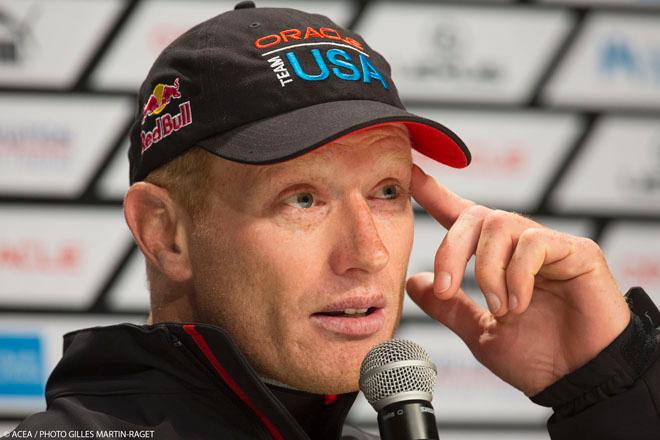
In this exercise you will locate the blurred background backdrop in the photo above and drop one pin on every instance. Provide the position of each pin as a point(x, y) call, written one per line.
point(559, 102)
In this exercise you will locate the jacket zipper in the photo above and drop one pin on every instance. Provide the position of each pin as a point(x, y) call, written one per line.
point(264, 434)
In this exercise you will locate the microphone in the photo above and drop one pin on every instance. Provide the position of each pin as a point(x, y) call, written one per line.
point(397, 378)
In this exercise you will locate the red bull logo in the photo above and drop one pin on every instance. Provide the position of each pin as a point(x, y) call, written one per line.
point(160, 97)
point(165, 123)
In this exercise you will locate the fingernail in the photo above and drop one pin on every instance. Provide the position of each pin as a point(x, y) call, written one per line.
point(427, 279)
point(513, 302)
point(493, 302)
point(442, 282)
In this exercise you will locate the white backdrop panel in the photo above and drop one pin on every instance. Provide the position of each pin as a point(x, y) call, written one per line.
point(58, 257)
point(129, 292)
point(114, 182)
point(514, 155)
point(157, 23)
point(463, 53)
point(614, 63)
point(617, 172)
point(51, 144)
point(36, 36)
point(633, 253)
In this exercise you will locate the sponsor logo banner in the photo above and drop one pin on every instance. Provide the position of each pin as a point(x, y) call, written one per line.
point(617, 171)
point(50, 145)
point(507, 149)
point(614, 63)
point(652, 4)
point(21, 365)
point(58, 257)
point(35, 36)
point(464, 53)
point(633, 254)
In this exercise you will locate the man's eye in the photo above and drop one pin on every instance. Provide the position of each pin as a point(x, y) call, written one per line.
point(301, 199)
point(390, 191)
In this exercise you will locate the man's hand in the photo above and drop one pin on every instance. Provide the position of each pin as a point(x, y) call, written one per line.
point(553, 302)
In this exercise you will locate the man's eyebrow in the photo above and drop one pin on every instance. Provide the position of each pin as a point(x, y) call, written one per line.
point(398, 156)
point(264, 173)
point(393, 158)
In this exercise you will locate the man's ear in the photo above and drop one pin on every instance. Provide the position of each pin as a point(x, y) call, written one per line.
point(160, 228)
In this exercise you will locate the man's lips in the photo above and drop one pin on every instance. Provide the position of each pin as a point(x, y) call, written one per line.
point(356, 316)
point(356, 302)
point(362, 326)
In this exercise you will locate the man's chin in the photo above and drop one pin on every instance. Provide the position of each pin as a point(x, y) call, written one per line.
point(327, 385)
point(335, 372)
point(324, 365)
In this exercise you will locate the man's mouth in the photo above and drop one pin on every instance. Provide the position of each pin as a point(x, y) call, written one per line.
point(352, 317)
point(350, 313)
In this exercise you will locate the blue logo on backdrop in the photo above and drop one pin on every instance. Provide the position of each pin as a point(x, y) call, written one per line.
point(21, 366)
point(619, 58)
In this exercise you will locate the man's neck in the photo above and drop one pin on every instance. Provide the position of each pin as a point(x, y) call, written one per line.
point(321, 416)
point(269, 381)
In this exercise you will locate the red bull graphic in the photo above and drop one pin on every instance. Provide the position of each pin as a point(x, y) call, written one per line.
point(160, 97)
point(167, 123)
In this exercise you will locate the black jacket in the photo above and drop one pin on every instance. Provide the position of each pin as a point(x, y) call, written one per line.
point(174, 381)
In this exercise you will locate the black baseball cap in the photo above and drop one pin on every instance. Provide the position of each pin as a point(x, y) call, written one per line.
point(264, 85)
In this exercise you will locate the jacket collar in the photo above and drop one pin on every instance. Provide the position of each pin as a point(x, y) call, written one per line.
point(177, 356)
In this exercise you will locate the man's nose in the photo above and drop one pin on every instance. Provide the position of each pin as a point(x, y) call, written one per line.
point(359, 245)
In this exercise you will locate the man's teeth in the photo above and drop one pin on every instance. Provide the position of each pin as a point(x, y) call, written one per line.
point(355, 311)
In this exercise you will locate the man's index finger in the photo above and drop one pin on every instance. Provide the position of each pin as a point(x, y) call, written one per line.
point(442, 204)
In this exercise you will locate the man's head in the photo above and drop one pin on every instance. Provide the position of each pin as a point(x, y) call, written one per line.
point(295, 233)
point(279, 249)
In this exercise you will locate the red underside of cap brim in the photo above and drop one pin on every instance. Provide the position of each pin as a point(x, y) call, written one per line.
point(429, 141)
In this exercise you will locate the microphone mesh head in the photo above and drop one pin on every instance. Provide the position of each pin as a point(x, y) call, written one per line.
point(389, 378)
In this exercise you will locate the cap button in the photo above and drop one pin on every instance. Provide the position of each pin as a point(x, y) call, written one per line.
point(244, 5)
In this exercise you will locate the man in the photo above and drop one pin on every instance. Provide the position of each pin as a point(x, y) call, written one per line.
point(271, 179)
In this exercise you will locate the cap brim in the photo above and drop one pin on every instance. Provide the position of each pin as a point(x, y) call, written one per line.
point(292, 134)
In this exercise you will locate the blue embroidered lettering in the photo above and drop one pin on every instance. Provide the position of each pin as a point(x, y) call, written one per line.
point(319, 62)
point(333, 55)
point(369, 71)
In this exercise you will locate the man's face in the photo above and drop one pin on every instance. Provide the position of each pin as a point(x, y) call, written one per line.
point(286, 249)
